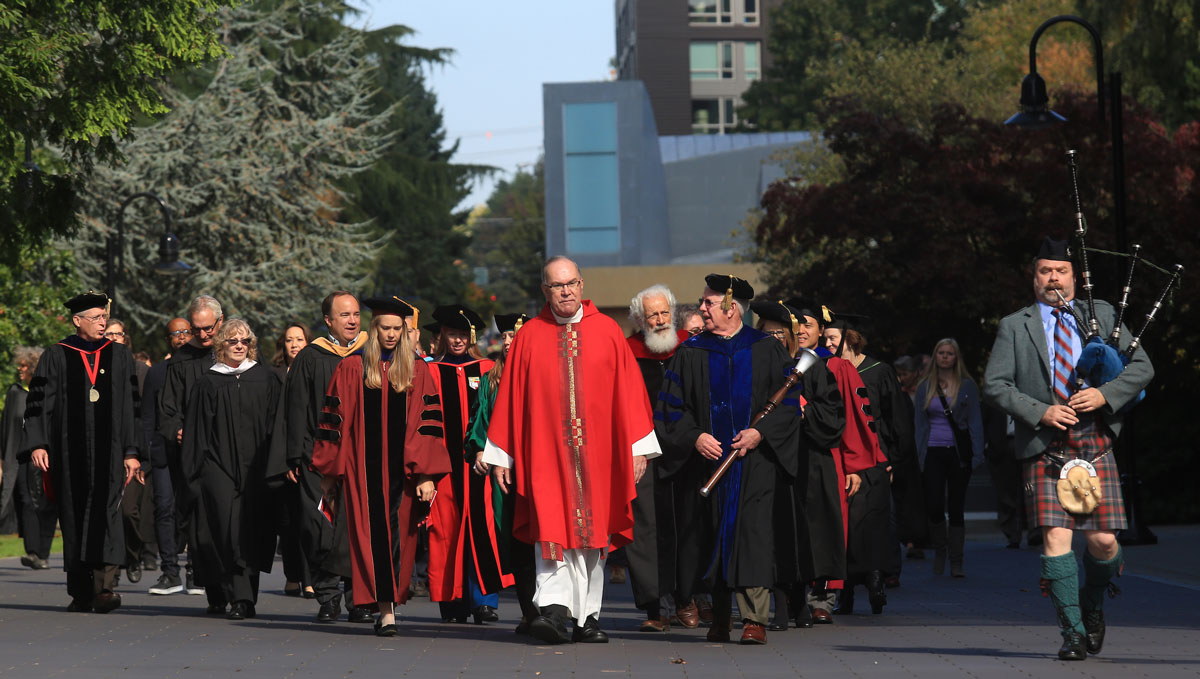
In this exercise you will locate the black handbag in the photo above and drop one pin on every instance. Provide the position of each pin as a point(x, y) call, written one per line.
point(962, 438)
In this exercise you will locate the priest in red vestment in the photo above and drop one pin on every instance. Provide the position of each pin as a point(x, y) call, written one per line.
point(572, 420)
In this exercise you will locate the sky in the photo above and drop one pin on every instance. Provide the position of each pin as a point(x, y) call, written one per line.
point(491, 92)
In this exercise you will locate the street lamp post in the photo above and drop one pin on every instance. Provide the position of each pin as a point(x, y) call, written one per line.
point(168, 246)
point(1035, 113)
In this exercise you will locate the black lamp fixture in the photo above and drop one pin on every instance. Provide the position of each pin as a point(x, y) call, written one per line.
point(168, 246)
point(1035, 111)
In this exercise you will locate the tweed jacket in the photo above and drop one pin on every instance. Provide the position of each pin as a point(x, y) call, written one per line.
point(1017, 379)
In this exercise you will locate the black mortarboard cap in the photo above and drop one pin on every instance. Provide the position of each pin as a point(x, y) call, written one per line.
point(777, 311)
point(389, 305)
point(732, 286)
point(88, 300)
point(1054, 250)
point(807, 307)
point(459, 317)
point(510, 322)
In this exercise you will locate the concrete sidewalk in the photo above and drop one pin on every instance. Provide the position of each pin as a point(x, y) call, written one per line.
point(993, 623)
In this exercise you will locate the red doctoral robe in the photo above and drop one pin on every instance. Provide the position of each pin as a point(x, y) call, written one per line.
point(570, 409)
point(376, 442)
point(859, 447)
point(462, 517)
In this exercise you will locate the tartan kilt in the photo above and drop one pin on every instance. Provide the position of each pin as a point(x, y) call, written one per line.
point(1089, 440)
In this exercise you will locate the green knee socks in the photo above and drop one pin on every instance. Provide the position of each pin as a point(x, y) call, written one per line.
point(1097, 577)
point(1060, 582)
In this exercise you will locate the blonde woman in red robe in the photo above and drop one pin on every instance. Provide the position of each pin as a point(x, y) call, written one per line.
point(380, 435)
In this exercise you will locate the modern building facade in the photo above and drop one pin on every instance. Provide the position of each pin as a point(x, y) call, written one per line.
point(696, 58)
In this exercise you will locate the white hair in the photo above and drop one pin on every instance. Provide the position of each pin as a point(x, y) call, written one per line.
point(204, 302)
point(636, 306)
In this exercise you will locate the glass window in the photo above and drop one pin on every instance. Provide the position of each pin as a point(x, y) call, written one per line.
point(750, 59)
point(708, 12)
point(706, 116)
point(704, 61)
point(593, 205)
point(750, 12)
point(726, 60)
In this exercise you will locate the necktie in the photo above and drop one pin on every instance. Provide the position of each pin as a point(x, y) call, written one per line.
point(1064, 362)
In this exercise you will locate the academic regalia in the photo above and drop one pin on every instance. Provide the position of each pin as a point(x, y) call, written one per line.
point(892, 410)
point(10, 440)
point(87, 441)
point(653, 558)
point(37, 516)
point(185, 367)
point(325, 541)
point(715, 385)
point(226, 441)
point(377, 442)
point(571, 414)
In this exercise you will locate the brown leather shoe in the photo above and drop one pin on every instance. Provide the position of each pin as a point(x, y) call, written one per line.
point(105, 602)
point(688, 616)
point(821, 616)
point(753, 633)
point(655, 625)
point(718, 632)
point(705, 608)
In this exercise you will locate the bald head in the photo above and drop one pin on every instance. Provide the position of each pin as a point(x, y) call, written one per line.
point(563, 286)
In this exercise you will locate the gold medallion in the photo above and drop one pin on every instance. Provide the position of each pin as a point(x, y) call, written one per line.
point(93, 395)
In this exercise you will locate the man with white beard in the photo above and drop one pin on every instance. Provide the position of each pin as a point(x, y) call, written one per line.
point(654, 565)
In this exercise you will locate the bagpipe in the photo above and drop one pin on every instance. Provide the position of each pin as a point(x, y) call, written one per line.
point(1101, 361)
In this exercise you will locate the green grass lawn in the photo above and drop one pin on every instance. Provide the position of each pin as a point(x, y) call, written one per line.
point(11, 545)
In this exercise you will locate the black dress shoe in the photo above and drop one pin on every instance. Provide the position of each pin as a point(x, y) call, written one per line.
point(804, 617)
point(389, 630)
point(134, 572)
point(590, 633)
point(328, 613)
point(778, 626)
point(553, 626)
point(237, 611)
point(522, 627)
point(1073, 648)
point(361, 615)
point(1093, 624)
point(875, 592)
point(215, 609)
point(105, 602)
point(485, 614)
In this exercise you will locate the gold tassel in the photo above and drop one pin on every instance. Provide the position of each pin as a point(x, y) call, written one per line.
point(519, 323)
point(792, 316)
point(469, 324)
point(826, 313)
point(727, 302)
point(416, 312)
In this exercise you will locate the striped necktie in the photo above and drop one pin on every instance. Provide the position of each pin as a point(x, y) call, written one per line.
point(1064, 362)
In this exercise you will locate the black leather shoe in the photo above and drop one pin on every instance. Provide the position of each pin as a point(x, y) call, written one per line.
point(237, 611)
point(361, 615)
point(522, 627)
point(485, 614)
point(590, 633)
point(134, 572)
point(215, 609)
point(106, 602)
point(1093, 623)
point(875, 592)
point(388, 630)
point(553, 626)
point(777, 626)
point(804, 617)
point(327, 613)
point(1073, 648)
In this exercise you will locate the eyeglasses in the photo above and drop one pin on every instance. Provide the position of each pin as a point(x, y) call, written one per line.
point(94, 319)
point(559, 287)
point(233, 341)
point(777, 334)
point(695, 331)
point(114, 333)
point(179, 333)
point(708, 302)
point(207, 330)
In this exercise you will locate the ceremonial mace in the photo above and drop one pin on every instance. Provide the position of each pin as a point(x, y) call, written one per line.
point(807, 359)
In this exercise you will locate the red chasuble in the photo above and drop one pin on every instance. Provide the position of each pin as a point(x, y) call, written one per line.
point(859, 448)
point(462, 517)
point(377, 441)
point(569, 410)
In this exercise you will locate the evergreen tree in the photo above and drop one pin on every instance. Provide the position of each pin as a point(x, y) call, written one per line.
point(251, 166)
point(509, 243)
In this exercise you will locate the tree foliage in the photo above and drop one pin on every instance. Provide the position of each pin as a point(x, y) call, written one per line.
point(251, 166)
point(930, 232)
point(32, 311)
point(76, 74)
point(509, 242)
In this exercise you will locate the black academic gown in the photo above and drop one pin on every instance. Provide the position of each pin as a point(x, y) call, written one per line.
point(739, 375)
point(10, 440)
point(227, 437)
point(87, 443)
point(326, 544)
point(892, 410)
point(184, 369)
